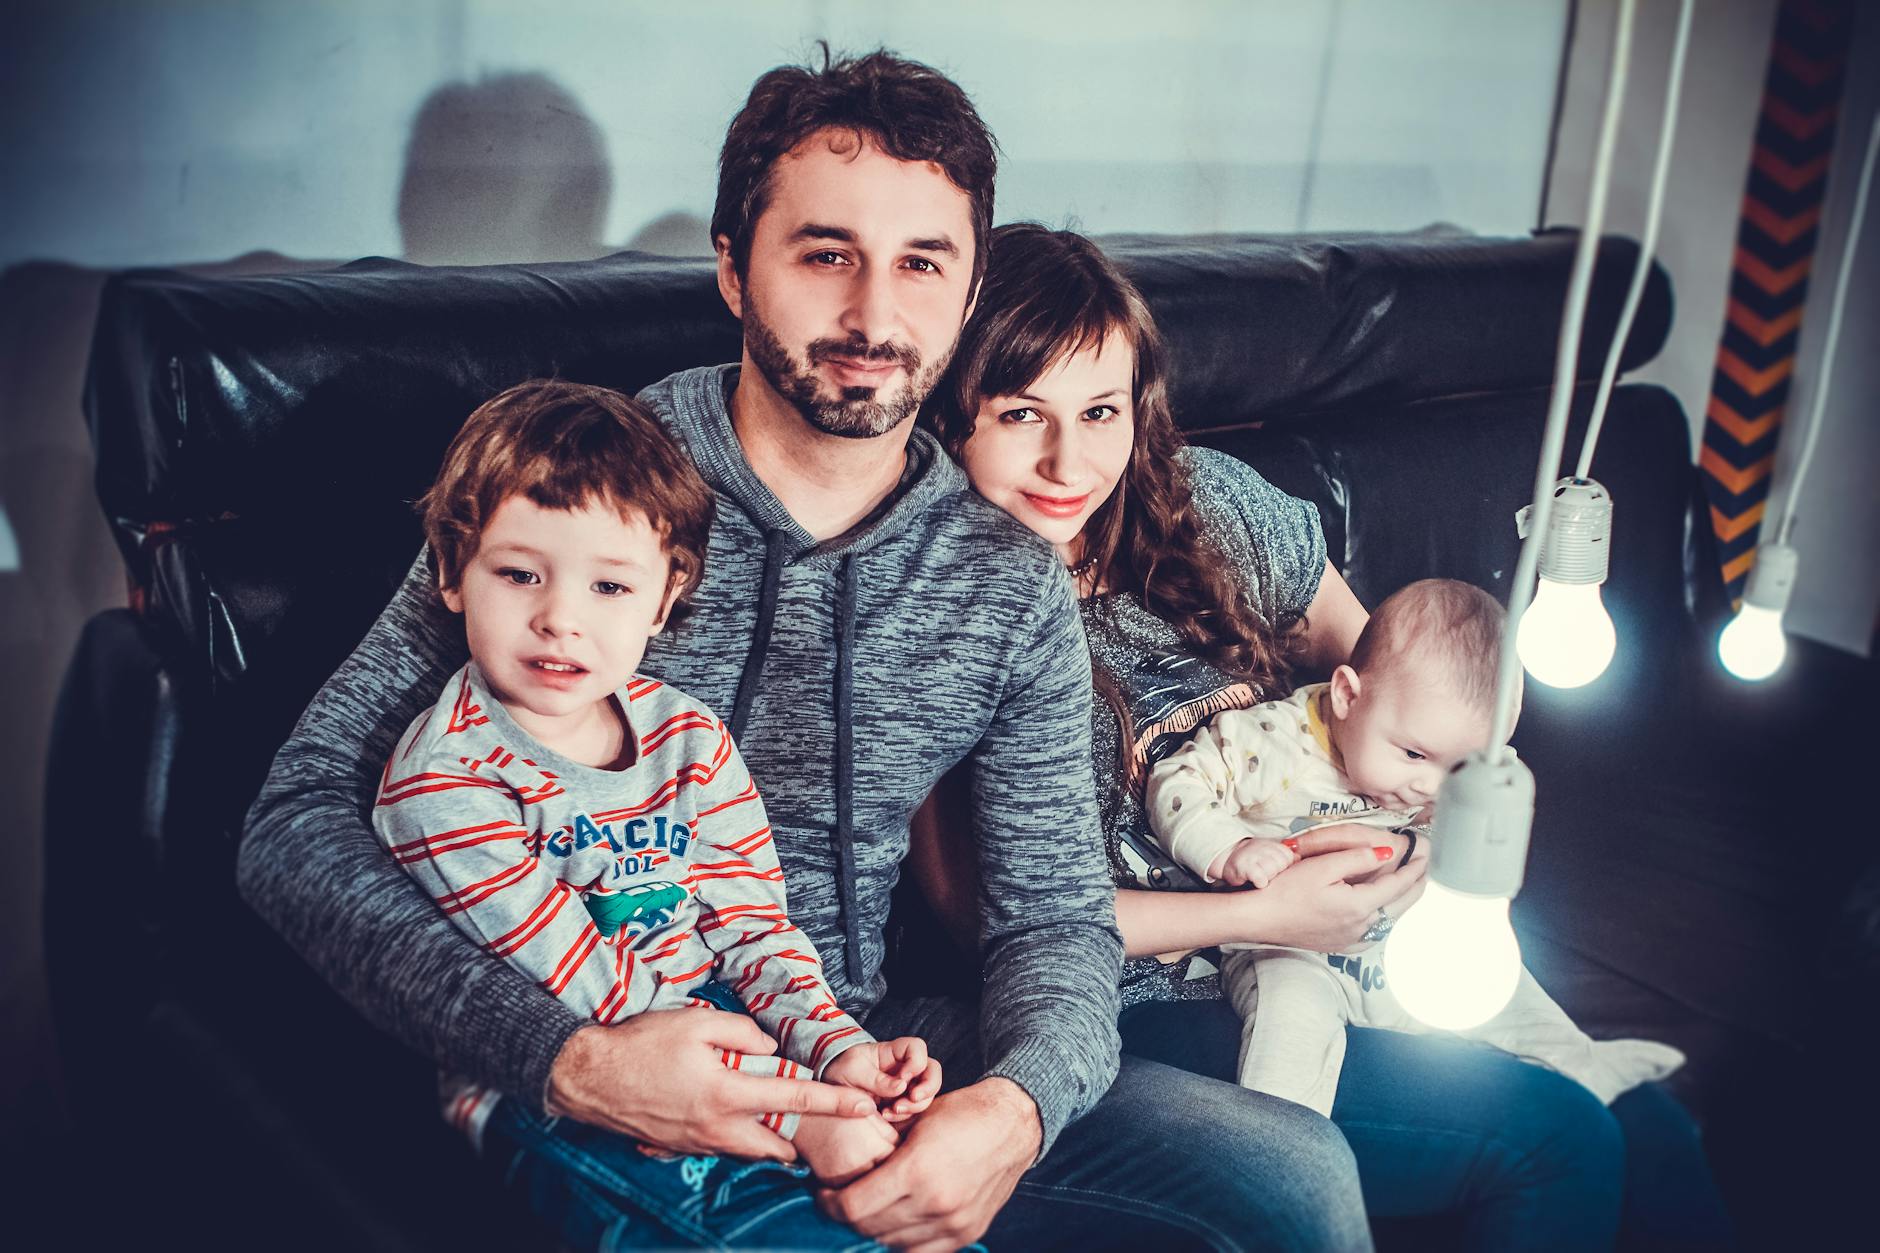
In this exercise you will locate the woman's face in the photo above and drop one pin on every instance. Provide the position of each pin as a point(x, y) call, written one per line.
point(1053, 453)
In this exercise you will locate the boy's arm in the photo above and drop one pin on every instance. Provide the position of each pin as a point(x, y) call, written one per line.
point(310, 865)
point(743, 917)
point(1049, 945)
point(1196, 794)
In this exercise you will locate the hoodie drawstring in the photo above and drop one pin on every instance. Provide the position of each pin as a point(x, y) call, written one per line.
point(845, 765)
point(760, 637)
point(748, 683)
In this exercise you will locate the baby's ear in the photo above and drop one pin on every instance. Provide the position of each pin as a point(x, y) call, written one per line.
point(1345, 689)
point(452, 597)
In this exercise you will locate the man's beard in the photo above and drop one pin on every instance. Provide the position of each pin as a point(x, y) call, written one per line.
point(856, 412)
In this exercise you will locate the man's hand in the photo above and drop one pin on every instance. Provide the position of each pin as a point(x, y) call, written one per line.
point(897, 1073)
point(959, 1163)
point(1254, 861)
point(698, 1105)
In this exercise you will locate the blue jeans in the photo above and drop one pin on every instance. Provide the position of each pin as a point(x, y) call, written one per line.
point(1517, 1156)
point(1166, 1160)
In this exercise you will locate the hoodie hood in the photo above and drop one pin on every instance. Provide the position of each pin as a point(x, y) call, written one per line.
point(696, 404)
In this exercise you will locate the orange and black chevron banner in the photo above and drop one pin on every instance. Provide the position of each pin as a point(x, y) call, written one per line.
point(1775, 245)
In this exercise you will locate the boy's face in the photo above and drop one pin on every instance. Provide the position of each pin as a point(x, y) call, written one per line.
point(558, 606)
point(856, 285)
point(1399, 735)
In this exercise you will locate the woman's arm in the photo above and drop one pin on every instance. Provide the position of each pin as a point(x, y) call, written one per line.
point(1312, 904)
point(1334, 620)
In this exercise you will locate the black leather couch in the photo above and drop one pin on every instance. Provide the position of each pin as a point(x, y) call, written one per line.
point(258, 440)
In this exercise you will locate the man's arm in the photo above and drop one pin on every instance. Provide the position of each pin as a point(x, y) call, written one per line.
point(1049, 943)
point(310, 865)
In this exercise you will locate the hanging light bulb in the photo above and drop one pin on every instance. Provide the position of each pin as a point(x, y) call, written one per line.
point(1452, 959)
point(1566, 638)
point(1752, 647)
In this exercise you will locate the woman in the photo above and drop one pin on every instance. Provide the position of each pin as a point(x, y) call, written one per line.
point(1201, 586)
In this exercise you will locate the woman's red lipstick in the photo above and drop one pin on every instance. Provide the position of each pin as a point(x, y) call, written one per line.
point(1058, 506)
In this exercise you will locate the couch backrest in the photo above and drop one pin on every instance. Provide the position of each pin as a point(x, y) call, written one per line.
point(259, 439)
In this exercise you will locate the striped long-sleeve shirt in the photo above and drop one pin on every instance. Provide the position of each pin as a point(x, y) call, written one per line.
point(617, 890)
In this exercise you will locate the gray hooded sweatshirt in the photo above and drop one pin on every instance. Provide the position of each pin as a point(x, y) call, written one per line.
point(854, 673)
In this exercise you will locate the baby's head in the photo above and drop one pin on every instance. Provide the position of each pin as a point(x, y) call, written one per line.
point(1419, 693)
point(567, 527)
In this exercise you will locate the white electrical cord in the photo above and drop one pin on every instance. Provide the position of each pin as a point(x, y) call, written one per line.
point(1654, 212)
point(1820, 400)
point(1566, 360)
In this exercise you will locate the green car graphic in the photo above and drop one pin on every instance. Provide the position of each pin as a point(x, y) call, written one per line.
point(645, 907)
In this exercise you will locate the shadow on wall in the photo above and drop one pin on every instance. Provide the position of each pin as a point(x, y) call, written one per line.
point(509, 168)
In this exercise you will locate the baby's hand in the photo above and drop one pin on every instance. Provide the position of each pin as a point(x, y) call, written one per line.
point(897, 1073)
point(1256, 862)
point(840, 1149)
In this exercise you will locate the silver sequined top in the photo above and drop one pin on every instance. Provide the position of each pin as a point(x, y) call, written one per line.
point(1277, 545)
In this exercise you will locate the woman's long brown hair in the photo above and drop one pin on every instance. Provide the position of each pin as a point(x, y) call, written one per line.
point(1046, 295)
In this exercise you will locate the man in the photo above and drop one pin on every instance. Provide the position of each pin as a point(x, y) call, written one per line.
point(866, 622)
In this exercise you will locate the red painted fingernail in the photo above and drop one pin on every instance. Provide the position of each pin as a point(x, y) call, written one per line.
point(1384, 851)
point(1292, 843)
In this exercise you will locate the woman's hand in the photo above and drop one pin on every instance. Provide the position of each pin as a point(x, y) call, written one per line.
point(1325, 901)
point(1329, 898)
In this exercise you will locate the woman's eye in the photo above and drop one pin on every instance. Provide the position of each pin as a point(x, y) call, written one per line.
point(1101, 413)
point(521, 578)
point(1019, 415)
point(611, 589)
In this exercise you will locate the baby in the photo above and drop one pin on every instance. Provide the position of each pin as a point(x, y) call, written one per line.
point(590, 825)
point(1371, 746)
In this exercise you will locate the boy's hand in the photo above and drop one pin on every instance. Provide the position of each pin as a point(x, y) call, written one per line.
point(838, 1150)
point(897, 1073)
point(1255, 861)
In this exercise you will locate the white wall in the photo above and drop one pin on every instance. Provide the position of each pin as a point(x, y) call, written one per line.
point(1837, 593)
point(173, 131)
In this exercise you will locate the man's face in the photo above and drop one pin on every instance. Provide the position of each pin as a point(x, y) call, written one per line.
point(856, 285)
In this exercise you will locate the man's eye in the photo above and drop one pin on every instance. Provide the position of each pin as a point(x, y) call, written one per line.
point(922, 265)
point(611, 589)
point(521, 578)
point(826, 256)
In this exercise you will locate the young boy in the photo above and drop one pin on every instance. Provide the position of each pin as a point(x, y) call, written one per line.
point(593, 826)
point(1371, 747)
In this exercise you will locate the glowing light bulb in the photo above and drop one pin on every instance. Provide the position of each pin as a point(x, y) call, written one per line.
point(1752, 646)
point(1566, 637)
point(1452, 960)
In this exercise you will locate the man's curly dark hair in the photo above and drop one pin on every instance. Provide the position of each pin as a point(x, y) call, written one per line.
point(910, 111)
